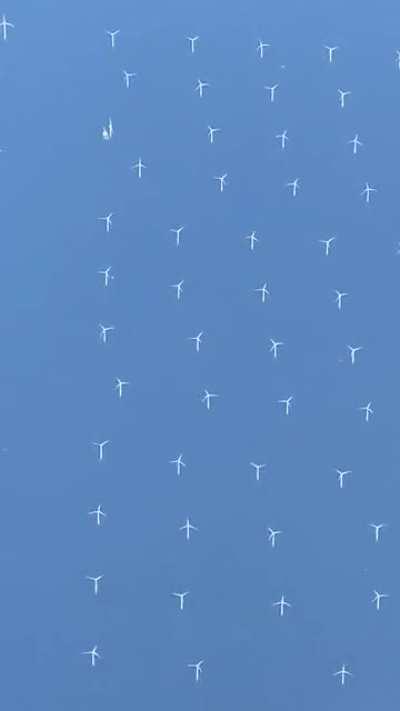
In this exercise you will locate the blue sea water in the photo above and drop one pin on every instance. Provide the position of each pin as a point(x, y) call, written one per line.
point(60, 82)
